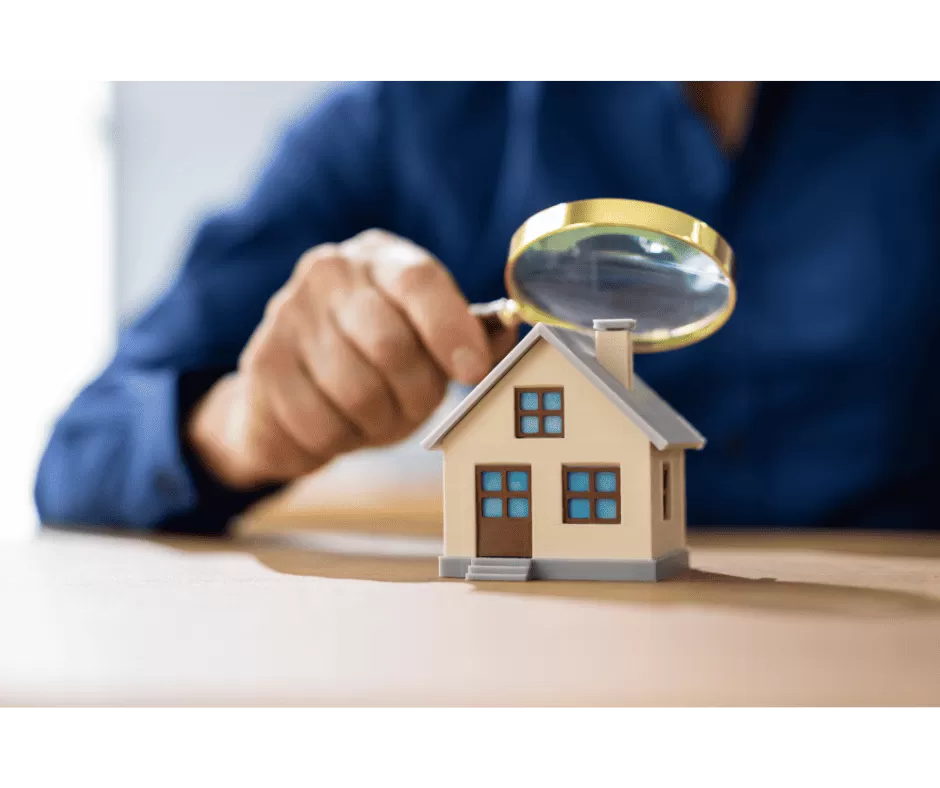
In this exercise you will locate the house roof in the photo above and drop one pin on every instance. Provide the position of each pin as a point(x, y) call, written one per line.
point(644, 407)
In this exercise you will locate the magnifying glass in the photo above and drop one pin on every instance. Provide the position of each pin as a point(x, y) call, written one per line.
point(578, 261)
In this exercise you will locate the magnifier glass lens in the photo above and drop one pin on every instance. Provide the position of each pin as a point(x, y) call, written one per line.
point(583, 273)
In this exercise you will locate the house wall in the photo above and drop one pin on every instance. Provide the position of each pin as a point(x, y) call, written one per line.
point(595, 433)
point(668, 534)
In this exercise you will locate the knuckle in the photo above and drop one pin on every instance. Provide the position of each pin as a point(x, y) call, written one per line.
point(310, 443)
point(263, 450)
point(318, 252)
point(331, 438)
point(323, 262)
point(365, 402)
point(259, 358)
point(374, 235)
point(391, 349)
point(316, 444)
point(430, 396)
point(286, 316)
point(423, 392)
point(281, 307)
point(417, 277)
point(330, 267)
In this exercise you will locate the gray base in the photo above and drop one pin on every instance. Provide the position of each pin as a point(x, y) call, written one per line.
point(643, 571)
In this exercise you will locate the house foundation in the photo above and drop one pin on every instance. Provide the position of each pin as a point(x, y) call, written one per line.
point(669, 565)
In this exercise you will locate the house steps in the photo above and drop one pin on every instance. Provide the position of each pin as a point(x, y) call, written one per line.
point(503, 569)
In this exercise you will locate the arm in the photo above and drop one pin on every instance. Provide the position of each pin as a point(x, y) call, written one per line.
point(117, 455)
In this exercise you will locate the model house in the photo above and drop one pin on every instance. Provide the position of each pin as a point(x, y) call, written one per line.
point(562, 464)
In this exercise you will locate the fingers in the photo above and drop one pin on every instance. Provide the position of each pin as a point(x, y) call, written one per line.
point(355, 350)
point(353, 385)
point(272, 362)
point(425, 293)
point(360, 351)
point(385, 339)
point(240, 449)
point(266, 451)
point(378, 331)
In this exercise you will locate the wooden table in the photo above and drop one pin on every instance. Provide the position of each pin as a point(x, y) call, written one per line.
point(328, 598)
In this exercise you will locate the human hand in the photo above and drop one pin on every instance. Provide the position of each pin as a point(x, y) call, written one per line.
point(355, 350)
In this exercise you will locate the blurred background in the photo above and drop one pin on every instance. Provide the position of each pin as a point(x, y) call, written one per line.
point(124, 172)
point(180, 150)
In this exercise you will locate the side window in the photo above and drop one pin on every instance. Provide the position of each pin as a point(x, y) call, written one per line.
point(540, 412)
point(591, 494)
point(667, 492)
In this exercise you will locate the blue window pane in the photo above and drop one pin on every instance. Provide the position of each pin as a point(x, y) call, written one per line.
point(530, 400)
point(518, 507)
point(553, 425)
point(492, 481)
point(579, 509)
point(551, 401)
point(530, 425)
point(605, 481)
point(578, 481)
point(518, 481)
point(492, 507)
point(606, 509)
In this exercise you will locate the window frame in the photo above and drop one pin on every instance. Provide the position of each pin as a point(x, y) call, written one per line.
point(505, 493)
point(540, 413)
point(591, 495)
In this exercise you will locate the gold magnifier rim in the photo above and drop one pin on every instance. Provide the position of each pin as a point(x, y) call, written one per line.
point(642, 216)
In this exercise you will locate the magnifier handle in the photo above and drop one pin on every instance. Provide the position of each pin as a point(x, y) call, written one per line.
point(504, 309)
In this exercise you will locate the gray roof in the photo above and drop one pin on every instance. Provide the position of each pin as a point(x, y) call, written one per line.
point(644, 407)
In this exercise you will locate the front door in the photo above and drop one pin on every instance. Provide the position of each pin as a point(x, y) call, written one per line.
point(504, 511)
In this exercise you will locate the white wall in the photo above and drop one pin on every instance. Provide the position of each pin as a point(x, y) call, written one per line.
point(57, 320)
point(182, 149)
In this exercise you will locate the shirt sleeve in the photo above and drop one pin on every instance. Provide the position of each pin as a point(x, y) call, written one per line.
point(116, 456)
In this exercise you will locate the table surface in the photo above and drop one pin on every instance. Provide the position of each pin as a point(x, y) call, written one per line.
point(327, 597)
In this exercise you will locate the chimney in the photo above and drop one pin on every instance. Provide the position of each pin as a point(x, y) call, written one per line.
point(613, 346)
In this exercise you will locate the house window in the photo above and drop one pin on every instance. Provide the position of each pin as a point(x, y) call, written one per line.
point(667, 493)
point(503, 492)
point(540, 413)
point(591, 494)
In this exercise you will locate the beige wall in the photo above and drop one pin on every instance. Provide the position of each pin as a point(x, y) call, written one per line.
point(595, 433)
point(668, 535)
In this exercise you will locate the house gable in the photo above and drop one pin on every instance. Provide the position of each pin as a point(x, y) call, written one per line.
point(587, 414)
point(658, 421)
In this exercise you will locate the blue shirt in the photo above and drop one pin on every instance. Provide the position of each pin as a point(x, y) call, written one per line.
point(816, 397)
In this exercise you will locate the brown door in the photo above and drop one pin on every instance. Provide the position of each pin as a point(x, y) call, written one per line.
point(504, 511)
